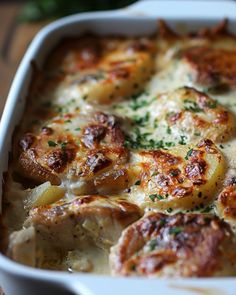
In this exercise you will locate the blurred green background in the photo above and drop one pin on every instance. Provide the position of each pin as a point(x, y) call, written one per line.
point(37, 10)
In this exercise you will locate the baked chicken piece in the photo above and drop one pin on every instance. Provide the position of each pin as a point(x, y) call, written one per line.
point(66, 224)
point(181, 245)
point(73, 225)
point(226, 202)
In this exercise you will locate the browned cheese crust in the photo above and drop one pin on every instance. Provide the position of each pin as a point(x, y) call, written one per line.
point(184, 245)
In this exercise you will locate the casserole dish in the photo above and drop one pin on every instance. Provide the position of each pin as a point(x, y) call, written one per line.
point(139, 19)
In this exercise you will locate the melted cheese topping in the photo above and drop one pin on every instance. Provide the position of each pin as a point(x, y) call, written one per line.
point(145, 120)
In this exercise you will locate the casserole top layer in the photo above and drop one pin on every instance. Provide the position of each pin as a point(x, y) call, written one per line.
point(126, 153)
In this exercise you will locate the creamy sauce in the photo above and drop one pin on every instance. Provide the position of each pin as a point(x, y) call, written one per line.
point(143, 114)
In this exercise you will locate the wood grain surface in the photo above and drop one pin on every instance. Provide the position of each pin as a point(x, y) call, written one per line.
point(15, 37)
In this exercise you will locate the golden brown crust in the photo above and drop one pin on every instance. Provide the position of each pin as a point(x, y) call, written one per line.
point(197, 113)
point(179, 245)
point(226, 201)
point(213, 65)
point(94, 147)
point(180, 178)
point(111, 151)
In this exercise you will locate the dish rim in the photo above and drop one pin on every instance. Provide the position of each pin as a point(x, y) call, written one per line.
point(138, 11)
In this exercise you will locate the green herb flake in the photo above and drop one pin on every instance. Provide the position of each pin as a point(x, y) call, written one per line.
point(168, 130)
point(133, 267)
point(156, 196)
point(211, 104)
point(52, 143)
point(221, 146)
point(175, 230)
point(207, 209)
point(169, 210)
point(192, 106)
point(63, 145)
point(152, 244)
point(174, 172)
point(169, 143)
point(182, 140)
point(138, 182)
point(77, 129)
point(189, 153)
point(155, 125)
point(162, 222)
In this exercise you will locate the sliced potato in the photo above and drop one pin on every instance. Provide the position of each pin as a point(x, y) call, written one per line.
point(120, 81)
point(181, 178)
point(44, 194)
point(226, 204)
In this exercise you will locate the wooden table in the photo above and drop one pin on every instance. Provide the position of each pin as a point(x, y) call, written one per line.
point(14, 40)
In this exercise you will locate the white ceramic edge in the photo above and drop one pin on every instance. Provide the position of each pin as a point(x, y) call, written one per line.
point(104, 284)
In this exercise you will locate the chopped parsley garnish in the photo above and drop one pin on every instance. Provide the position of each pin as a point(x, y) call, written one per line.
point(162, 221)
point(52, 143)
point(142, 121)
point(211, 104)
point(133, 267)
point(221, 146)
point(137, 103)
point(152, 244)
point(175, 230)
point(174, 172)
point(169, 144)
point(142, 142)
point(168, 130)
point(155, 125)
point(182, 140)
point(68, 121)
point(62, 109)
point(169, 210)
point(207, 209)
point(189, 153)
point(156, 196)
point(77, 129)
point(84, 97)
point(138, 182)
point(192, 106)
point(63, 145)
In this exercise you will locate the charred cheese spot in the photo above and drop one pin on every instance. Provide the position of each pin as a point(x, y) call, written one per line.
point(181, 178)
point(226, 202)
point(213, 66)
point(92, 147)
point(179, 245)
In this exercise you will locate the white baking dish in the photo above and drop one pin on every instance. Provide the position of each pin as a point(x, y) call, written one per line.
point(138, 19)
